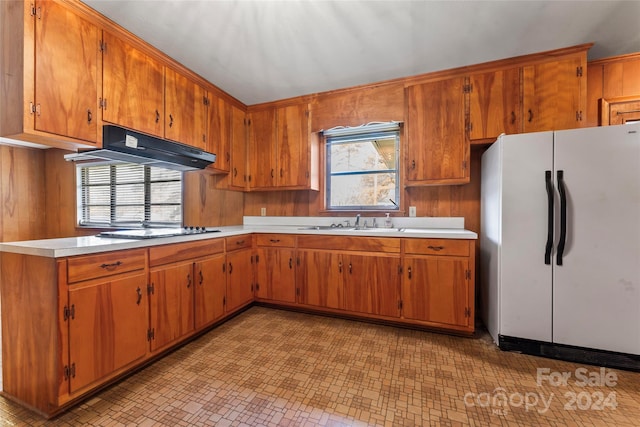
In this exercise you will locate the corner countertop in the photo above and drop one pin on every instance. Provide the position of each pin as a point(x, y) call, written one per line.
point(421, 227)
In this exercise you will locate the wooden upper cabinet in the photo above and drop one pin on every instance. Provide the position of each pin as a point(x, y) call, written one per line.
point(262, 149)
point(185, 110)
point(293, 146)
point(132, 87)
point(66, 51)
point(494, 104)
point(554, 94)
point(437, 149)
point(283, 154)
point(238, 166)
point(219, 131)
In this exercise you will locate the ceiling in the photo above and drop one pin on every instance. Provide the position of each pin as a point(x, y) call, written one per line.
point(265, 50)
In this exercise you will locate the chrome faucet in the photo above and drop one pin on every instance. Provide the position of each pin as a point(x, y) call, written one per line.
point(357, 224)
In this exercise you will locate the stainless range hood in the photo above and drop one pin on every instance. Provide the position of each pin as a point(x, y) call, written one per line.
point(126, 146)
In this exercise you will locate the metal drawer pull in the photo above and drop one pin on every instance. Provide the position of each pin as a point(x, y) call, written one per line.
point(139, 291)
point(240, 242)
point(274, 240)
point(201, 277)
point(435, 248)
point(111, 266)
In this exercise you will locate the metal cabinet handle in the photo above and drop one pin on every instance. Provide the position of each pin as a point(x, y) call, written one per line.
point(350, 268)
point(290, 263)
point(340, 266)
point(235, 172)
point(157, 116)
point(272, 174)
point(89, 116)
point(274, 240)
point(230, 268)
point(435, 248)
point(409, 272)
point(170, 120)
point(139, 291)
point(513, 117)
point(530, 115)
point(201, 277)
point(189, 280)
point(240, 242)
point(413, 164)
point(111, 266)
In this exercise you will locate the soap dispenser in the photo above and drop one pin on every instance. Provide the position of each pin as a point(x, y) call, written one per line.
point(387, 221)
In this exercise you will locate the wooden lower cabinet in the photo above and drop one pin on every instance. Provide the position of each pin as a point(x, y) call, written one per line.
point(171, 303)
point(107, 327)
point(210, 290)
point(239, 270)
point(437, 283)
point(372, 284)
point(276, 268)
point(320, 278)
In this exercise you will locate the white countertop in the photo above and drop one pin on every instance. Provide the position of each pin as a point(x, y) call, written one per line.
point(439, 228)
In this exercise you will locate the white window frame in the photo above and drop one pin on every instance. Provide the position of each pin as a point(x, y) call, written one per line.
point(345, 135)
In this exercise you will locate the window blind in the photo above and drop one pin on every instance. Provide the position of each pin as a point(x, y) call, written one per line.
point(129, 195)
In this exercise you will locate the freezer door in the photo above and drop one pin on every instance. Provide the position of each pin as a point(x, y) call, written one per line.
point(525, 280)
point(596, 292)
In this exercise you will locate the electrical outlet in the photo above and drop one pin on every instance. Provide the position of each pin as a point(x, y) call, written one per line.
point(263, 211)
point(412, 211)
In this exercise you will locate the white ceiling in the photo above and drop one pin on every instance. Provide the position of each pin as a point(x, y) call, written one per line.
point(265, 50)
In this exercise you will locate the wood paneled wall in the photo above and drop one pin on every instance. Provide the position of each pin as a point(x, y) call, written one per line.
point(22, 178)
point(205, 205)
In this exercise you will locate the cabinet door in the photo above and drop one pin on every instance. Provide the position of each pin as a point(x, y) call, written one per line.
point(293, 146)
point(108, 327)
point(239, 279)
point(437, 146)
point(219, 131)
point(494, 104)
point(66, 57)
point(185, 110)
point(132, 87)
point(372, 284)
point(238, 167)
point(553, 95)
point(171, 303)
point(276, 274)
point(320, 279)
point(262, 143)
point(436, 289)
point(210, 290)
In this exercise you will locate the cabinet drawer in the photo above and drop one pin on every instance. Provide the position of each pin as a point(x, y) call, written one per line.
point(437, 247)
point(239, 242)
point(104, 264)
point(166, 254)
point(283, 240)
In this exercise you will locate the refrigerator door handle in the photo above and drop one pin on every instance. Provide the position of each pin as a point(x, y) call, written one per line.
point(563, 217)
point(549, 245)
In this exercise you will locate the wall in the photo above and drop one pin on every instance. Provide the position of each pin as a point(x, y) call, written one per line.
point(22, 193)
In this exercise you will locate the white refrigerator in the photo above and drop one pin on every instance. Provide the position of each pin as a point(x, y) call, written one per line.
point(560, 238)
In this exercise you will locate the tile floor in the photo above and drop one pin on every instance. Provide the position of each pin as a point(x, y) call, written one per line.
point(270, 367)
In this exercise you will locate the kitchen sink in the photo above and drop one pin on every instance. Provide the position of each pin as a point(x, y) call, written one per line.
point(323, 227)
point(376, 230)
